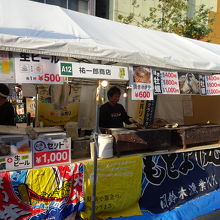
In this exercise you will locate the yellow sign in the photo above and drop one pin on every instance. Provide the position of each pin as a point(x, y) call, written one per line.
point(118, 187)
point(57, 104)
point(141, 111)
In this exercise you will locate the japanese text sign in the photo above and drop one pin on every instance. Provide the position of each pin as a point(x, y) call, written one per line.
point(181, 177)
point(19, 156)
point(169, 82)
point(93, 71)
point(141, 81)
point(213, 85)
point(39, 69)
point(50, 152)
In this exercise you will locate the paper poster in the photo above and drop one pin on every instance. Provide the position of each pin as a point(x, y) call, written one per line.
point(7, 74)
point(141, 81)
point(169, 82)
point(213, 85)
point(38, 69)
point(58, 104)
point(92, 71)
point(51, 152)
point(31, 106)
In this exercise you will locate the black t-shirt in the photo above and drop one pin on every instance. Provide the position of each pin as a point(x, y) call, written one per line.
point(112, 116)
point(7, 116)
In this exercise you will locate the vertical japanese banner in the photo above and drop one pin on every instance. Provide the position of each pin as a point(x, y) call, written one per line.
point(157, 81)
point(149, 112)
point(51, 152)
point(169, 82)
point(141, 111)
point(38, 69)
point(189, 83)
point(180, 178)
point(15, 155)
point(202, 82)
point(213, 84)
point(141, 80)
point(7, 74)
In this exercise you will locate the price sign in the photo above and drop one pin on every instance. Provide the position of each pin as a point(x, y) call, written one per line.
point(169, 83)
point(141, 81)
point(213, 85)
point(19, 156)
point(51, 152)
point(34, 68)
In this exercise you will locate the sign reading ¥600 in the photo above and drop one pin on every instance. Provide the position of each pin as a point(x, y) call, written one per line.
point(95, 71)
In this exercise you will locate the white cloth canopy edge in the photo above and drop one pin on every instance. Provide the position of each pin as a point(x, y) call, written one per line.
point(66, 33)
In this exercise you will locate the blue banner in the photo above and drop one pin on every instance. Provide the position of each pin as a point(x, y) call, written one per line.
point(172, 179)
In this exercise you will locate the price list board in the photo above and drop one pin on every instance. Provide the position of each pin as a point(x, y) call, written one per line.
point(213, 85)
point(170, 83)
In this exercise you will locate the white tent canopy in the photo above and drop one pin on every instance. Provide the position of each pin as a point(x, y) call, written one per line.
point(32, 27)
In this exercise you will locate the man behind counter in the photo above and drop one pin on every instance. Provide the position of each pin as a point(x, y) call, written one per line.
point(7, 116)
point(112, 114)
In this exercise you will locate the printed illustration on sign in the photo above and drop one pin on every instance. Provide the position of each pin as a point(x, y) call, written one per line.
point(34, 68)
point(189, 83)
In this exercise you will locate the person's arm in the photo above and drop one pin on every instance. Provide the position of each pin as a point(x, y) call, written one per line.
point(125, 116)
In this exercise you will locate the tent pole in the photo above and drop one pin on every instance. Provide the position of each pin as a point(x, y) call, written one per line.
point(95, 152)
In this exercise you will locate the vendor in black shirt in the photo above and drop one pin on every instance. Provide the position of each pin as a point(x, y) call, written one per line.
point(112, 114)
point(7, 116)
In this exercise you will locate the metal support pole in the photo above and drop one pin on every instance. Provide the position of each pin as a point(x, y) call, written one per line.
point(95, 154)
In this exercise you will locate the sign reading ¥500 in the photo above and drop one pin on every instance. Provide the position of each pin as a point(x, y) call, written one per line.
point(95, 71)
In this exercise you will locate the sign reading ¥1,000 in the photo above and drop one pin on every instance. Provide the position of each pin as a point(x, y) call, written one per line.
point(95, 71)
point(66, 69)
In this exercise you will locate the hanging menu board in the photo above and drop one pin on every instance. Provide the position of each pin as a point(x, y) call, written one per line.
point(38, 69)
point(141, 81)
point(213, 85)
point(169, 82)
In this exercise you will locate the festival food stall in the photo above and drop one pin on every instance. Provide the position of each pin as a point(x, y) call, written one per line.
point(65, 45)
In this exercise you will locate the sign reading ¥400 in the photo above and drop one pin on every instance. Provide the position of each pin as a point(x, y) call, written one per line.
point(95, 71)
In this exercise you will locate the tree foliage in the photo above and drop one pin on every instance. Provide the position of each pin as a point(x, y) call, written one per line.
point(172, 16)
